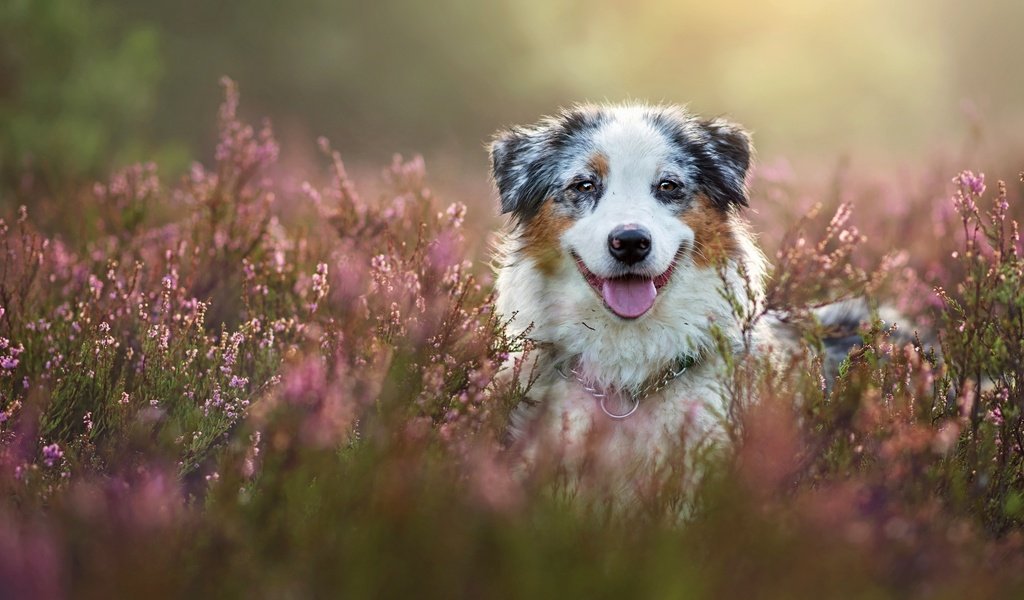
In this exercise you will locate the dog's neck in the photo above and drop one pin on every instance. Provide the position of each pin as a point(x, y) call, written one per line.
point(574, 370)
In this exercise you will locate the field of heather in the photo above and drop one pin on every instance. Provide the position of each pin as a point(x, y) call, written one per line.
point(225, 386)
point(239, 359)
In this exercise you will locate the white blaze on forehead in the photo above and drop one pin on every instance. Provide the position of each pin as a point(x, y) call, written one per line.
point(637, 154)
point(634, 147)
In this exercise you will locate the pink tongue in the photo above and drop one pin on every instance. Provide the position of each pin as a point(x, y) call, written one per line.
point(629, 297)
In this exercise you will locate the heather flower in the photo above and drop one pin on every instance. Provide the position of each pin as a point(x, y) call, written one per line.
point(995, 415)
point(456, 214)
point(52, 454)
point(239, 143)
point(132, 185)
point(214, 401)
point(969, 182)
point(248, 270)
point(95, 285)
point(320, 286)
point(231, 353)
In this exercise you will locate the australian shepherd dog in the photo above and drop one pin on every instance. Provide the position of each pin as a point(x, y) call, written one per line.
point(625, 252)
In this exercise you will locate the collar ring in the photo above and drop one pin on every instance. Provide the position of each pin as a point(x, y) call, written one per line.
point(636, 405)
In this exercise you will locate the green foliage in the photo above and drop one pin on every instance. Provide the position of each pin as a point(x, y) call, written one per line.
point(76, 90)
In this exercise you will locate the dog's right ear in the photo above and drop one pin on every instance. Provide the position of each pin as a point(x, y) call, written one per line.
point(525, 160)
point(518, 168)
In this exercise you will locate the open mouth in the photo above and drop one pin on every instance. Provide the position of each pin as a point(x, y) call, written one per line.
point(629, 296)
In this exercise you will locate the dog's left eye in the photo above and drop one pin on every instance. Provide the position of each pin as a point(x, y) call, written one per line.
point(667, 186)
point(584, 187)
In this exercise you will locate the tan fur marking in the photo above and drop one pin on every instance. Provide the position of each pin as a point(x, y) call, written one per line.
point(713, 232)
point(599, 164)
point(543, 236)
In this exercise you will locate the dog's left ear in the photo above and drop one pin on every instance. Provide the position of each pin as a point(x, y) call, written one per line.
point(729, 152)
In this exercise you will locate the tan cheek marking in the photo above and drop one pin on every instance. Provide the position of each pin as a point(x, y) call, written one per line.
point(598, 163)
point(714, 239)
point(543, 235)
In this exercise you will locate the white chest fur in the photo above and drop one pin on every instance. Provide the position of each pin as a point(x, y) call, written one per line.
point(565, 423)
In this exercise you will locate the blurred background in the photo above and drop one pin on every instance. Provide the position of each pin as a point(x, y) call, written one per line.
point(87, 85)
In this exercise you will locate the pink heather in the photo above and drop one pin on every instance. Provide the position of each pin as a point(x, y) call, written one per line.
point(52, 454)
point(967, 180)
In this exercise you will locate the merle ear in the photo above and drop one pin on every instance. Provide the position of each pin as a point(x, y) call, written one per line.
point(729, 152)
point(517, 166)
point(524, 162)
point(503, 149)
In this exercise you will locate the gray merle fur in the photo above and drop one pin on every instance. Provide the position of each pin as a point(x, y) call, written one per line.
point(525, 160)
point(718, 150)
point(843, 322)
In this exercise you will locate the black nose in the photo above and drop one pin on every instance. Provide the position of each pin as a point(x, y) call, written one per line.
point(629, 243)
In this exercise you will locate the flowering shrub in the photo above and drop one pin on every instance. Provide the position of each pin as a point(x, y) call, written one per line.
point(225, 387)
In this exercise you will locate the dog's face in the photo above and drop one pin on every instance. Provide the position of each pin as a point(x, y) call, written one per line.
point(624, 194)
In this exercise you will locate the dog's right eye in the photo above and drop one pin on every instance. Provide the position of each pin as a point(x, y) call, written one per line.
point(584, 187)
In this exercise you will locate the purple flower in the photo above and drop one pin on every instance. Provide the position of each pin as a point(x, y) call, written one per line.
point(52, 454)
point(967, 180)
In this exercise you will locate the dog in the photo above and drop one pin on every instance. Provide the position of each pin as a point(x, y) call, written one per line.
point(624, 256)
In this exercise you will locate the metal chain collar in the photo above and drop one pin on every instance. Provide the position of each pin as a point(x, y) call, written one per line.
point(674, 370)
